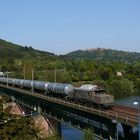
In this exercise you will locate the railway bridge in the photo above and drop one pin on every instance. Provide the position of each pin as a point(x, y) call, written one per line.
point(103, 122)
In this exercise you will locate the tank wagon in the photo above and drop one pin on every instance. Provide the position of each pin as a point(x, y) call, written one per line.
point(3, 80)
point(86, 93)
point(62, 89)
point(39, 85)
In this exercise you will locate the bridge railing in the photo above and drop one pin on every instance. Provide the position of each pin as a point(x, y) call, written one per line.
point(105, 113)
point(131, 120)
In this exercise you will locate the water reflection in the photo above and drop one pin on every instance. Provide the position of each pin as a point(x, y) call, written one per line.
point(70, 133)
point(129, 101)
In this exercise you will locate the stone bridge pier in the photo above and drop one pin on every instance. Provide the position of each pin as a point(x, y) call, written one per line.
point(47, 126)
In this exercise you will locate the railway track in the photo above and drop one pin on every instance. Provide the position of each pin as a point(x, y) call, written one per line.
point(125, 110)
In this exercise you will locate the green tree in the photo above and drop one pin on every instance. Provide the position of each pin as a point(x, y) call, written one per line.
point(89, 134)
point(121, 88)
point(137, 86)
point(15, 129)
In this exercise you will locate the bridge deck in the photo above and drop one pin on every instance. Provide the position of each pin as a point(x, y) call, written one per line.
point(121, 115)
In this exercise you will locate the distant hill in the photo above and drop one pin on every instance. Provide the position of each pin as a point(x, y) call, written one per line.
point(10, 50)
point(102, 54)
point(13, 51)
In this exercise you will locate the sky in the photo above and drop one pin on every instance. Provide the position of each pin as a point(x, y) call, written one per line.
point(62, 26)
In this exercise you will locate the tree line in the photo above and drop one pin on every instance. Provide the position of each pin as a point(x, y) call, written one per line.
point(77, 72)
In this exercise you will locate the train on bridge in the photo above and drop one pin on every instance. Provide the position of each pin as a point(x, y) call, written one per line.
point(88, 94)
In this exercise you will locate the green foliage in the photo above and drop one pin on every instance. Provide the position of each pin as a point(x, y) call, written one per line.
point(121, 88)
point(53, 138)
point(16, 129)
point(12, 55)
point(77, 67)
point(27, 70)
point(19, 52)
point(137, 86)
point(88, 134)
point(104, 55)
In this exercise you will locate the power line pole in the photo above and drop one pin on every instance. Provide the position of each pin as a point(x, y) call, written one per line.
point(55, 75)
point(24, 72)
point(7, 78)
point(32, 80)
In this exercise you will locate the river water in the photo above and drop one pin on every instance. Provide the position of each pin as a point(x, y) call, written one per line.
point(129, 101)
point(69, 133)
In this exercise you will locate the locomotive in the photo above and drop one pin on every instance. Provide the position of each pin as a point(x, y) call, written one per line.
point(86, 93)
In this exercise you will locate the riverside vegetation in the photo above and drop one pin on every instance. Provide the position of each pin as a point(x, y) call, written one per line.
point(16, 127)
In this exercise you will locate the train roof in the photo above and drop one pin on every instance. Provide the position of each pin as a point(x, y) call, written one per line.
point(96, 90)
point(88, 87)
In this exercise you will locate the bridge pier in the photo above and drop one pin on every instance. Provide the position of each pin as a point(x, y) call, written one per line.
point(112, 130)
point(128, 133)
point(48, 127)
point(13, 108)
point(127, 130)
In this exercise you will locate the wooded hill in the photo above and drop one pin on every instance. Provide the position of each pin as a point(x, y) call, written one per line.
point(10, 50)
point(102, 54)
point(94, 66)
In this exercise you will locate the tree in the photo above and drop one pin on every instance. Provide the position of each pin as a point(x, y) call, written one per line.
point(137, 86)
point(88, 135)
point(121, 88)
point(18, 129)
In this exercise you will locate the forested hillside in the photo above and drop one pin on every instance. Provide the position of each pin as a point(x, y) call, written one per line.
point(14, 58)
point(104, 55)
point(110, 69)
point(14, 51)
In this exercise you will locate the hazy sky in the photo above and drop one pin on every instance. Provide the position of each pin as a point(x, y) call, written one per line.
point(61, 26)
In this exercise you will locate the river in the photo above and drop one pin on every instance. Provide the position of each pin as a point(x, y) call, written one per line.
point(69, 133)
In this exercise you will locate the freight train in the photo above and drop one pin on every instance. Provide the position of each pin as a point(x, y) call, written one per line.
point(85, 94)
